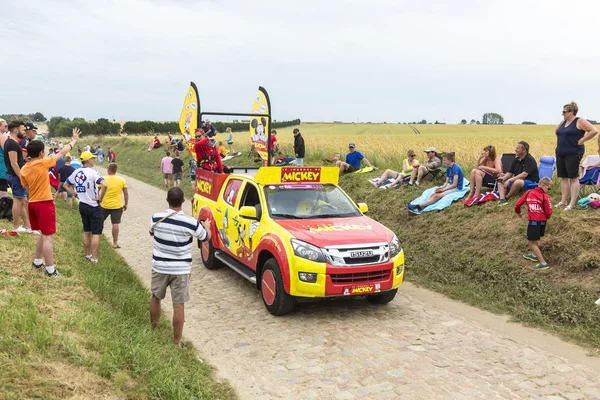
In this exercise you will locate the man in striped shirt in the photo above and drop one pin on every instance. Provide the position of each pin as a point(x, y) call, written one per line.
point(173, 233)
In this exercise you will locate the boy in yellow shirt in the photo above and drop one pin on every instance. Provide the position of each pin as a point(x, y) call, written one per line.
point(112, 204)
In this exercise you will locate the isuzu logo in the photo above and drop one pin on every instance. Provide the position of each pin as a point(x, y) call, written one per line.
point(361, 254)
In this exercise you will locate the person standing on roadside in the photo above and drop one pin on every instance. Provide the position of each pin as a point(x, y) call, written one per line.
point(571, 134)
point(83, 185)
point(177, 169)
point(299, 147)
point(229, 140)
point(115, 201)
point(173, 233)
point(34, 177)
point(13, 160)
point(63, 173)
point(166, 168)
point(100, 155)
point(3, 136)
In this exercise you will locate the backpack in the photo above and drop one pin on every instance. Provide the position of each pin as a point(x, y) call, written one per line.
point(6, 204)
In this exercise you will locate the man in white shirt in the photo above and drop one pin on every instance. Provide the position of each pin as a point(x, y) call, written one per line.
point(83, 185)
point(173, 233)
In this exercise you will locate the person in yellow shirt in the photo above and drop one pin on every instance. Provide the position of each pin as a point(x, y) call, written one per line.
point(115, 201)
point(42, 214)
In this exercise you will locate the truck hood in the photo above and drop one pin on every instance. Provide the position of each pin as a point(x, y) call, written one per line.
point(337, 231)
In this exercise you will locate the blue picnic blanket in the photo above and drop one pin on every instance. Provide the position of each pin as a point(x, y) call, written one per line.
point(444, 201)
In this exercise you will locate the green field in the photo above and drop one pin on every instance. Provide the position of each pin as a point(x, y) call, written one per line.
point(471, 254)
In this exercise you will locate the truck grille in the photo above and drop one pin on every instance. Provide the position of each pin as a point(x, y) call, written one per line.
point(359, 254)
point(360, 277)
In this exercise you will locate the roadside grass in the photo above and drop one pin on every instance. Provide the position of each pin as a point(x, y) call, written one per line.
point(87, 334)
point(470, 254)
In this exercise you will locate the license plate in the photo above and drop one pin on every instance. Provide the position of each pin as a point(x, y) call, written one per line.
point(361, 253)
point(362, 289)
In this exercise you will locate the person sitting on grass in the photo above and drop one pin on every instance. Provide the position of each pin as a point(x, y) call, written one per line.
point(454, 183)
point(489, 166)
point(155, 144)
point(539, 211)
point(408, 165)
point(353, 160)
point(222, 150)
point(522, 175)
point(433, 164)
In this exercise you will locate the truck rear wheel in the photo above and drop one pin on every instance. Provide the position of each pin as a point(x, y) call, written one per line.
point(382, 298)
point(207, 250)
point(276, 300)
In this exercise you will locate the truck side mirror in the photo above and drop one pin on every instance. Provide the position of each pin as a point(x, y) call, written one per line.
point(363, 208)
point(248, 212)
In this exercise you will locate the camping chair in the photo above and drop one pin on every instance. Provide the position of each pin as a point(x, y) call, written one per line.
point(507, 160)
point(432, 175)
point(547, 167)
point(589, 160)
point(589, 182)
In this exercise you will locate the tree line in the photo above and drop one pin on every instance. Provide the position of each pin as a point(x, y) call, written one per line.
point(33, 117)
point(61, 126)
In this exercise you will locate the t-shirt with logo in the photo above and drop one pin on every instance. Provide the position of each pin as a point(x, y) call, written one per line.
point(35, 175)
point(354, 159)
point(12, 145)
point(455, 172)
point(166, 166)
point(85, 181)
point(177, 165)
point(113, 199)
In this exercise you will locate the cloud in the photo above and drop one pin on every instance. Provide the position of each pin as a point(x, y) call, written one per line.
point(320, 60)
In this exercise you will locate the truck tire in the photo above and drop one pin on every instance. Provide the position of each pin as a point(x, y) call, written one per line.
point(207, 251)
point(382, 298)
point(276, 300)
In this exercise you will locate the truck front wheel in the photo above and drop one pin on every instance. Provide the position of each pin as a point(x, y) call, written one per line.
point(277, 301)
point(207, 250)
point(382, 298)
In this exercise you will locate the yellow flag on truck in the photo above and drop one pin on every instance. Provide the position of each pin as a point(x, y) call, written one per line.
point(260, 126)
point(188, 120)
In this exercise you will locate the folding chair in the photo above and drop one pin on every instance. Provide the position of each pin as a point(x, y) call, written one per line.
point(589, 160)
point(507, 160)
point(589, 182)
point(547, 167)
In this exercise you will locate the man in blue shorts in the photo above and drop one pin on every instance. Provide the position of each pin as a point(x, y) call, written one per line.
point(353, 160)
point(522, 175)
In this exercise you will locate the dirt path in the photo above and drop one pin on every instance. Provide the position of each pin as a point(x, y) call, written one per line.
point(422, 345)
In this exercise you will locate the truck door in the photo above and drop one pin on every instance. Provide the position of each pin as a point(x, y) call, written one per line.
point(226, 211)
point(247, 230)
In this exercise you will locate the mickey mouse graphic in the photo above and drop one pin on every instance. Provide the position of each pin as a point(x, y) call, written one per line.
point(259, 130)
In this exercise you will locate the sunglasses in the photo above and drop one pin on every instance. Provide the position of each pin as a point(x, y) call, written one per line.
point(564, 112)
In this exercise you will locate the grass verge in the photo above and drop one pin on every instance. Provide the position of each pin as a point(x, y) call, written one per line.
point(87, 334)
point(470, 254)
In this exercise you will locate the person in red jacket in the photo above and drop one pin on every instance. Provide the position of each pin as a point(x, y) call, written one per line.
point(207, 154)
point(539, 212)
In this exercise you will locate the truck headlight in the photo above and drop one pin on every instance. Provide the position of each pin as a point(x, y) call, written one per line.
point(307, 277)
point(307, 251)
point(395, 247)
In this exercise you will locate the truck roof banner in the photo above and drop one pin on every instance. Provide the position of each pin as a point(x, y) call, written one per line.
point(260, 127)
point(188, 120)
point(295, 175)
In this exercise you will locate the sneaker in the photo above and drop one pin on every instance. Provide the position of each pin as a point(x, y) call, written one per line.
point(29, 230)
point(417, 183)
point(559, 204)
point(502, 202)
point(530, 257)
point(20, 229)
point(598, 302)
point(540, 267)
point(55, 274)
point(88, 258)
point(37, 266)
point(567, 208)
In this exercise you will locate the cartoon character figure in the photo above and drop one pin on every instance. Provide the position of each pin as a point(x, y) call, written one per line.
point(243, 251)
point(259, 130)
point(188, 122)
point(223, 232)
point(253, 228)
point(230, 196)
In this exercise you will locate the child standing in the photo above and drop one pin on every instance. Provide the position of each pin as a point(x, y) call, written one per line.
point(539, 212)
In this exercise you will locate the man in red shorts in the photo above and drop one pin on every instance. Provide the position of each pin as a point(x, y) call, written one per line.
point(42, 215)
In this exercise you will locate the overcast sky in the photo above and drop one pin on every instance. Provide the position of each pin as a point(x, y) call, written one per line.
point(377, 60)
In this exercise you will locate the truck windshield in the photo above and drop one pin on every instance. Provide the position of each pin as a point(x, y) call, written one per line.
point(308, 201)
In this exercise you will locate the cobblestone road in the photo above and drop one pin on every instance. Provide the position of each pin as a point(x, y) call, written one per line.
point(417, 347)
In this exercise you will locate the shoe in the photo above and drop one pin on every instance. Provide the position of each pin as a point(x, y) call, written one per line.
point(559, 204)
point(567, 208)
point(55, 274)
point(530, 257)
point(88, 258)
point(502, 202)
point(598, 302)
point(20, 229)
point(410, 183)
point(540, 267)
point(29, 230)
point(42, 265)
point(417, 183)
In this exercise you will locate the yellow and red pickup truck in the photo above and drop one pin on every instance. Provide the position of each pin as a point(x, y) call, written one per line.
point(293, 232)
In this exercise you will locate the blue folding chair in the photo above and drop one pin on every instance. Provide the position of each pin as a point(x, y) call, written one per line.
point(547, 167)
point(589, 182)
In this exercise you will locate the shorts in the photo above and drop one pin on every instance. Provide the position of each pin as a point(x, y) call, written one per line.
point(177, 176)
point(299, 161)
point(535, 230)
point(61, 189)
point(230, 142)
point(179, 284)
point(350, 168)
point(92, 218)
point(42, 216)
point(167, 176)
point(527, 185)
point(3, 185)
point(18, 191)
point(568, 166)
point(115, 215)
